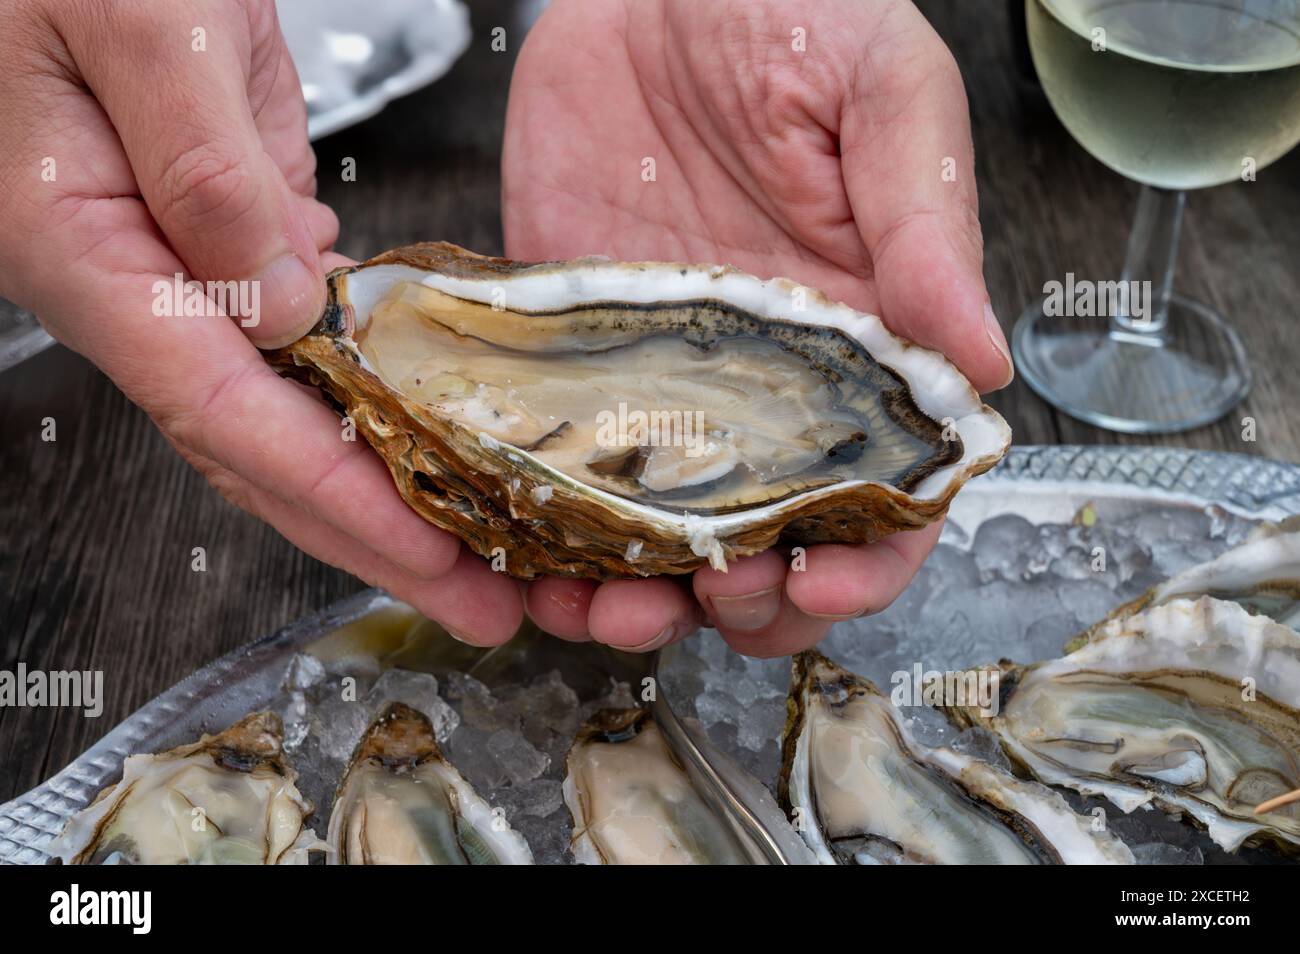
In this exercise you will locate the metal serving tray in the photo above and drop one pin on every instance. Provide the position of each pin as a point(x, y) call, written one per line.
point(1044, 485)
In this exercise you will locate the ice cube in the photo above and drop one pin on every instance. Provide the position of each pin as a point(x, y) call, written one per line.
point(617, 696)
point(304, 672)
point(1003, 547)
point(1159, 853)
point(477, 705)
point(339, 722)
point(540, 797)
point(419, 690)
point(517, 758)
point(981, 744)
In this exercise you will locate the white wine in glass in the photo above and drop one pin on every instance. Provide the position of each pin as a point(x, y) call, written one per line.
point(1176, 94)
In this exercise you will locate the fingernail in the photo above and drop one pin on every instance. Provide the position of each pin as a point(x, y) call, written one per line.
point(999, 342)
point(747, 612)
point(834, 618)
point(289, 301)
point(665, 636)
point(460, 637)
point(568, 601)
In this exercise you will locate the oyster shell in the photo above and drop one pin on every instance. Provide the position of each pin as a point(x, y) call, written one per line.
point(602, 419)
point(401, 802)
point(732, 791)
point(1192, 705)
point(862, 790)
point(228, 798)
point(1261, 574)
point(633, 800)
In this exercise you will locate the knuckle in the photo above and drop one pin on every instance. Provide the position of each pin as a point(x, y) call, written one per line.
point(195, 424)
point(972, 234)
point(122, 21)
point(261, 14)
point(300, 171)
point(25, 24)
point(233, 489)
point(130, 17)
point(786, 98)
point(206, 187)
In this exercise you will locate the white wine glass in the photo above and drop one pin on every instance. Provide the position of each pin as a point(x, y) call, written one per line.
point(1178, 95)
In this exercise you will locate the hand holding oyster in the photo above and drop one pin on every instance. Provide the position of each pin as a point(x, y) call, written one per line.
point(601, 419)
point(840, 192)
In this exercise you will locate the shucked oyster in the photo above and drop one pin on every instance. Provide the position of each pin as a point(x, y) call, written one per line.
point(402, 803)
point(228, 798)
point(595, 418)
point(633, 801)
point(1262, 575)
point(1193, 705)
point(863, 791)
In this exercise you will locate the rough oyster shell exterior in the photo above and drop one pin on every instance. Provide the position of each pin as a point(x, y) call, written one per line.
point(503, 502)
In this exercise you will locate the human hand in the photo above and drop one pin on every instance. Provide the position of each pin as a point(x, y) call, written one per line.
point(145, 139)
point(826, 166)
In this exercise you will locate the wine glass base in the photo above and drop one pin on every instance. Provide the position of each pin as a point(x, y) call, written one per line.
point(1190, 373)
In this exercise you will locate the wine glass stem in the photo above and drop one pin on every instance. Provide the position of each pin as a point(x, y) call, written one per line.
point(1149, 264)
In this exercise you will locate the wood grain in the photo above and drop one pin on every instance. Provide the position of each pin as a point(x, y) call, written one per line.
point(98, 526)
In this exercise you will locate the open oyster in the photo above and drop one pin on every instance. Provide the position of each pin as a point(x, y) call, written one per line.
point(861, 790)
point(228, 798)
point(595, 418)
point(402, 803)
point(1262, 575)
point(634, 801)
point(1192, 705)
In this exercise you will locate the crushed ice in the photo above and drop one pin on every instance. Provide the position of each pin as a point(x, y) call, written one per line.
point(1009, 589)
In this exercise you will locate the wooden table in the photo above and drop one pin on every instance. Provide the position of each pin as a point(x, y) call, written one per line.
point(98, 526)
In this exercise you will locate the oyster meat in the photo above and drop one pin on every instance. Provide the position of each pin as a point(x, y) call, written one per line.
point(1192, 705)
point(1261, 574)
point(633, 801)
point(601, 419)
point(862, 790)
point(402, 803)
point(228, 798)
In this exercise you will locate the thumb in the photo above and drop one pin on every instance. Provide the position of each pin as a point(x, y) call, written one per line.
point(184, 118)
point(908, 168)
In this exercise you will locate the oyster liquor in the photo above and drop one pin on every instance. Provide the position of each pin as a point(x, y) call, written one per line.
point(820, 425)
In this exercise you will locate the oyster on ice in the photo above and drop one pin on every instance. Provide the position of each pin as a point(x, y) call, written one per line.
point(228, 798)
point(1261, 574)
point(402, 803)
point(862, 790)
point(604, 419)
point(1191, 705)
point(634, 802)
